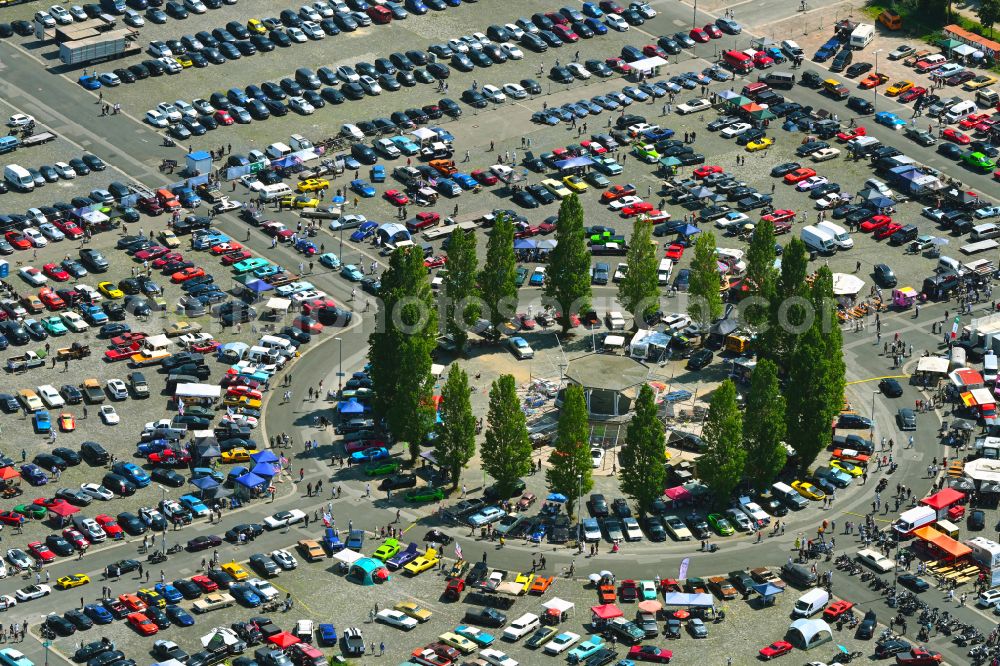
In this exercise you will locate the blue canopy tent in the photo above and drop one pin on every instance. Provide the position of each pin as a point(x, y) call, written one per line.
point(203, 483)
point(768, 592)
point(524, 244)
point(264, 469)
point(264, 456)
point(249, 485)
point(232, 352)
point(351, 406)
point(574, 163)
point(688, 230)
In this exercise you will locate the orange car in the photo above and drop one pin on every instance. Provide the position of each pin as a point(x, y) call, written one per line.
point(187, 274)
point(872, 80)
point(132, 602)
point(607, 594)
point(850, 455)
point(142, 624)
point(540, 584)
point(836, 609)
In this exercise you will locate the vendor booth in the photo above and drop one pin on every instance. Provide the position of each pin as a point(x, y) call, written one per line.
point(941, 545)
point(947, 503)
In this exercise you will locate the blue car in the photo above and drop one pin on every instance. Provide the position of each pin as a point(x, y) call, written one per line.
point(777, 55)
point(34, 475)
point(89, 81)
point(245, 595)
point(448, 187)
point(599, 27)
point(889, 119)
point(538, 534)
point(544, 118)
point(152, 446)
point(168, 592)
point(330, 260)
point(98, 613)
point(377, 174)
point(363, 187)
point(327, 635)
point(306, 247)
point(592, 10)
point(364, 231)
point(42, 421)
point(267, 271)
point(94, 315)
point(466, 181)
point(196, 506)
point(134, 473)
point(369, 455)
point(179, 616)
point(351, 272)
point(655, 134)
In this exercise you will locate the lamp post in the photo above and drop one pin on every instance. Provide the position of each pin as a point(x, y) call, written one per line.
point(163, 541)
point(694, 15)
point(872, 431)
point(875, 87)
point(340, 364)
point(579, 508)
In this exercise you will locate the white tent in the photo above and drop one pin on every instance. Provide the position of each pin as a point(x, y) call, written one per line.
point(220, 634)
point(646, 65)
point(348, 556)
point(559, 605)
point(935, 364)
point(423, 134)
point(437, 370)
point(278, 305)
point(845, 284)
point(806, 634)
point(198, 391)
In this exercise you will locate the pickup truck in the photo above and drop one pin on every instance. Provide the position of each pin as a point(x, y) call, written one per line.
point(73, 352)
point(25, 361)
point(214, 601)
point(37, 139)
point(92, 391)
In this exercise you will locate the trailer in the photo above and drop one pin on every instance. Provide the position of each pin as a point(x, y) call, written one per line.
point(37, 139)
point(981, 246)
point(110, 45)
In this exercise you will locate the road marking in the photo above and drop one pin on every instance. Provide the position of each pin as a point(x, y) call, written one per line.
point(294, 598)
point(876, 379)
point(862, 515)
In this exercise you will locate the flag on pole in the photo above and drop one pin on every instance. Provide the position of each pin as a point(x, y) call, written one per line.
point(229, 411)
point(326, 519)
point(458, 551)
point(954, 327)
point(180, 407)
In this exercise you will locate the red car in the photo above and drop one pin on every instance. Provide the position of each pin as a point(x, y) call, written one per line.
point(618, 65)
point(150, 206)
point(205, 583)
point(780, 215)
point(707, 170)
point(628, 590)
point(546, 228)
point(76, 538)
point(652, 50)
point(423, 220)
point(852, 133)
point(317, 304)
point(775, 649)
point(307, 324)
point(836, 609)
point(574, 319)
point(699, 35)
point(56, 272)
point(875, 222)
point(713, 31)
point(435, 262)
point(169, 457)
point(637, 209)
point(120, 353)
point(168, 258)
point(223, 117)
point(593, 147)
point(952, 134)
point(973, 120)
point(888, 230)
point(799, 174)
point(762, 61)
point(142, 624)
point(363, 444)
point(912, 94)
point(617, 192)
point(484, 177)
point(151, 253)
point(611, 7)
point(675, 251)
point(17, 240)
point(566, 34)
point(110, 526)
point(41, 552)
point(523, 230)
point(187, 274)
point(651, 653)
point(71, 230)
point(11, 518)
point(396, 197)
point(51, 299)
point(918, 657)
point(225, 248)
point(128, 338)
point(231, 258)
point(557, 18)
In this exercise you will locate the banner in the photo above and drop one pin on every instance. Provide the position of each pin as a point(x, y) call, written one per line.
point(682, 574)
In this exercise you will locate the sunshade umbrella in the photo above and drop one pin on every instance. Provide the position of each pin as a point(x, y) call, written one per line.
point(63, 510)
point(524, 244)
point(555, 497)
point(594, 578)
point(283, 640)
point(670, 161)
point(962, 484)
point(682, 614)
point(939, 241)
point(650, 606)
point(264, 456)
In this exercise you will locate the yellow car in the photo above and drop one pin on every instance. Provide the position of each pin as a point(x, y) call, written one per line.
point(242, 401)
point(460, 643)
point(238, 454)
point(980, 81)
point(299, 202)
point(762, 143)
point(184, 61)
point(170, 239)
point(256, 26)
point(524, 580)
point(414, 610)
point(311, 550)
point(236, 570)
point(808, 490)
point(426, 561)
point(575, 183)
point(110, 290)
point(313, 184)
point(848, 467)
point(152, 598)
point(898, 88)
point(73, 580)
point(556, 188)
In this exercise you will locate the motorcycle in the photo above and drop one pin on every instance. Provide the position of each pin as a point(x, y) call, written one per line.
point(157, 556)
point(176, 548)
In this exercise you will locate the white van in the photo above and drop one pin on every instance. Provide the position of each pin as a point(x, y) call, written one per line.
point(264, 356)
point(985, 232)
point(946, 264)
point(990, 368)
point(960, 111)
point(811, 603)
point(278, 150)
point(987, 97)
point(862, 36)
point(664, 271)
point(18, 178)
point(791, 48)
point(819, 240)
point(299, 142)
point(521, 627)
point(913, 519)
point(273, 192)
point(841, 237)
point(280, 345)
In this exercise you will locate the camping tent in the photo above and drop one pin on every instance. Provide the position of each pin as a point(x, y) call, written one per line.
point(368, 571)
point(806, 634)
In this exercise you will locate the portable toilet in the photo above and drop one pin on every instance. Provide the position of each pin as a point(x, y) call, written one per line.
point(198, 163)
point(4, 268)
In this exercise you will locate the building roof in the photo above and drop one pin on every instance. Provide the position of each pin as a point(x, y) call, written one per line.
point(606, 371)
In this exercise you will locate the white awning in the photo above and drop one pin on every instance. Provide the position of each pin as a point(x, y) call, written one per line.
point(847, 285)
point(348, 556)
point(437, 369)
point(198, 391)
point(557, 604)
point(933, 364)
point(279, 304)
point(156, 342)
point(423, 134)
point(964, 50)
point(983, 469)
point(647, 64)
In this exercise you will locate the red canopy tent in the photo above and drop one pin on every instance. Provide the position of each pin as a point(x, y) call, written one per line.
point(284, 640)
point(63, 509)
point(606, 611)
point(946, 502)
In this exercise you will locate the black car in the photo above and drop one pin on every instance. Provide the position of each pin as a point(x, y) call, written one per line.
point(167, 477)
point(598, 506)
point(131, 523)
point(890, 387)
point(891, 647)
point(249, 532)
point(221, 578)
point(860, 105)
point(94, 453)
point(785, 168)
point(58, 545)
point(49, 461)
point(857, 69)
point(485, 617)
point(654, 529)
point(264, 565)
point(121, 567)
point(60, 625)
point(866, 629)
point(914, 583)
point(849, 421)
point(188, 588)
point(977, 520)
point(204, 542)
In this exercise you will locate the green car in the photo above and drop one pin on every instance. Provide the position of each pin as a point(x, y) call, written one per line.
point(720, 524)
point(979, 161)
point(427, 494)
point(247, 265)
point(54, 325)
point(596, 179)
point(646, 153)
point(33, 511)
point(522, 275)
point(388, 548)
point(382, 468)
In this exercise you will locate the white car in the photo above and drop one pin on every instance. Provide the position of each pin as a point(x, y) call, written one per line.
point(347, 74)
point(65, 171)
point(520, 347)
point(647, 589)
point(156, 119)
point(514, 30)
point(596, 457)
point(394, 618)
point(511, 51)
point(170, 111)
point(283, 518)
point(309, 13)
point(32, 275)
point(493, 94)
point(93, 296)
point(117, 389)
point(264, 589)
point(35, 236)
point(678, 530)
point(522, 626)
point(458, 46)
point(296, 35)
point(496, 657)
point(158, 49)
point(7, 601)
point(133, 18)
point(45, 19)
point(325, 10)
point(988, 598)
point(693, 106)
point(561, 643)
point(196, 6)
point(33, 592)
point(824, 154)
point(51, 231)
point(300, 105)
point(19, 558)
point(97, 491)
point(624, 202)
point(312, 30)
point(60, 14)
point(186, 110)
point(740, 519)
point(108, 415)
point(203, 106)
point(875, 560)
point(284, 559)
point(171, 65)
point(514, 91)
point(644, 9)
point(735, 130)
point(50, 396)
point(20, 120)
point(811, 183)
point(370, 85)
point(732, 219)
point(149, 515)
point(632, 530)
point(78, 13)
point(578, 70)
point(616, 22)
